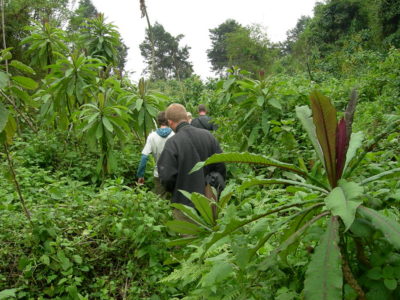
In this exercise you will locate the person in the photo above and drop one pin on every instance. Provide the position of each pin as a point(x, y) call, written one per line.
point(189, 117)
point(154, 145)
point(203, 121)
point(187, 147)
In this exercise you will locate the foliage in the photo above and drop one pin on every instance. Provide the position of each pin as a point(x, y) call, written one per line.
point(18, 15)
point(101, 40)
point(67, 87)
point(323, 198)
point(218, 54)
point(171, 61)
point(85, 10)
point(84, 244)
point(44, 43)
point(103, 121)
point(249, 48)
point(329, 194)
point(145, 105)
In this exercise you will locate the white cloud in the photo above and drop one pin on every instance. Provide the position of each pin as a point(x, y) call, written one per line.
point(193, 19)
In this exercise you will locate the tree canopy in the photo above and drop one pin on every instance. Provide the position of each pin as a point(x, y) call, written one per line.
point(171, 60)
point(218, 53)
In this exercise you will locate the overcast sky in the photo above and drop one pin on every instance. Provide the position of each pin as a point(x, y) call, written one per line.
point(194, 18)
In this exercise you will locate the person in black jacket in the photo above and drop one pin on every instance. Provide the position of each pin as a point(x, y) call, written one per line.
point(203, 121)
point(187, 147)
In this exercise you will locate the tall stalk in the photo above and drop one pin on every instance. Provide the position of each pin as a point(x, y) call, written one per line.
point(151, 36)
point(3, 28)
point(17, 186)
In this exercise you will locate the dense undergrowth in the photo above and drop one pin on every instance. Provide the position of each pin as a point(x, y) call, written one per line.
point(84, 241)
point(75, 225)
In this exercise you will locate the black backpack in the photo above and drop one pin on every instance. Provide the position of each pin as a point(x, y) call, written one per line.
point(216, 180)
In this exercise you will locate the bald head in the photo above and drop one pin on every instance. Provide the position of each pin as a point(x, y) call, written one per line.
point(176, 113)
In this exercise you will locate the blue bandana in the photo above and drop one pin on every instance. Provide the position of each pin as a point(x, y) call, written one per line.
point(164, 132)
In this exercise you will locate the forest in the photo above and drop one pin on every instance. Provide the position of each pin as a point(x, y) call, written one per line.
point(310, 132)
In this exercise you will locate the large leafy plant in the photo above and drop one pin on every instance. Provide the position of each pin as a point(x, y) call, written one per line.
point(104, 120)
point(335, 204)
point(67, 87)
point(253, 99)
point(144, 105)
point(43, 43)
point(101, 40)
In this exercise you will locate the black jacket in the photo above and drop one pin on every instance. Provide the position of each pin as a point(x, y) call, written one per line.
point(181, 152)
point(204, 122)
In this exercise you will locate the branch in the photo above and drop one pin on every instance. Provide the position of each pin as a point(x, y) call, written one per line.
point(26, 118)
point(17, 186)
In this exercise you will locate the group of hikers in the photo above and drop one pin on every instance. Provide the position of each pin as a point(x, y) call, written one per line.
point(177, 145)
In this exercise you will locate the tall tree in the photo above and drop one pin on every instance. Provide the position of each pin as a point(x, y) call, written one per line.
point(293, 35)
point(171, 61)
point(250, 49)
point(335, 22)
point(45, 40)
point(85, 10)
point(387, 21)
point(217, 54)
point(19, 13)
point(101, 40)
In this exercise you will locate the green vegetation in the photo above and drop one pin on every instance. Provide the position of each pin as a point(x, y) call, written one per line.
point(310, 130)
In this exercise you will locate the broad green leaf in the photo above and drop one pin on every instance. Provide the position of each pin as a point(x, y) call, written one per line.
point(375, 273)
point(24, 96)
point(9, 130)
point(253, 182)
point(4, 79)
point(77, 259)
point(275, 103)
point(324, 276)
point(295, 225)
point(3, 117)
point(228, 83)
point(389, 272)
point(22, 67)
point(249, 158)
point(190, 213)
point(184, 227)
point(391, 284)
point(260, 100)
point(379, 176)
point(324, 117)
point(340, 201)
point(45, 259)
point(264, 122)
point(304, 115)
point(355, 143)
point(139, 103)
point(107, 124)
point(202, 204)
point(253, 136)
point(101, 99)
point(225, 196)
point(25, 82)
point(73, 292)
point(92, 117)
point(390, 228)
point(111, 161)
point(7, 294)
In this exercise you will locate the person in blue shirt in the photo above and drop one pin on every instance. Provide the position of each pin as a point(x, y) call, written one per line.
point(154, 145)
